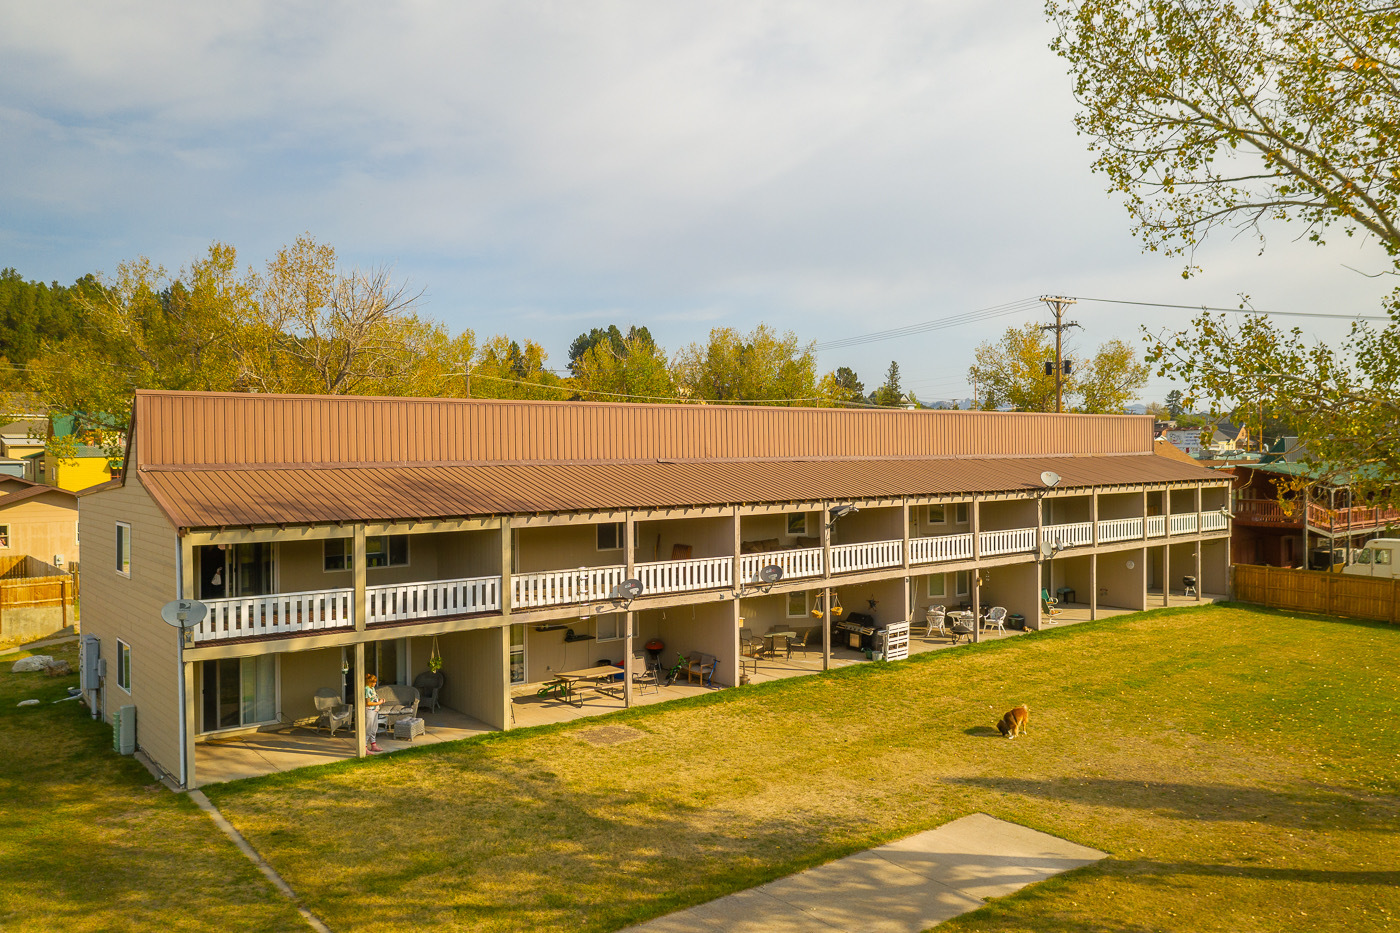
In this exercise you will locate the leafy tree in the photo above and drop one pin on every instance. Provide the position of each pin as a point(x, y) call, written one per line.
point(1012, 370)
point(503, 368)
point(1174, 403)
point(612, 337)
point(889, 395)
point(637, 372)
point(842, 387)
point(1210, 112)
point(33, 312)
point(1110, 380)
point(734, 367)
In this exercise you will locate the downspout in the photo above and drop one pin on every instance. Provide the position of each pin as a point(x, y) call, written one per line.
point(180, 656)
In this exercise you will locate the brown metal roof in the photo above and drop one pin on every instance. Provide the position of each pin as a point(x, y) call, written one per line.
point(33, 492)
point(239, 497)
point(203, 430)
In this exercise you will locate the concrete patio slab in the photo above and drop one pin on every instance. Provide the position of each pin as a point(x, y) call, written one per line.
point(903, 887)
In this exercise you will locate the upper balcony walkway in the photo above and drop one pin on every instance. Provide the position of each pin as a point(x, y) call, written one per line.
point(331, 609)
point(1273, 513)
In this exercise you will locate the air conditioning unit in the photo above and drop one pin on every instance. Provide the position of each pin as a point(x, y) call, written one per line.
point(91, 664)
point(124, 731)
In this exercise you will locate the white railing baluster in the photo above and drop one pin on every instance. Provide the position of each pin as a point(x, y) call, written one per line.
point(939, 548)
point(867, 555)
point(796, 564)
point(1074, 534)
point(1010, 541)
point(1156, 526)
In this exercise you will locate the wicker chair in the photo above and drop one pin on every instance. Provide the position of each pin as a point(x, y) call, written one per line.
point(429, 684)
point(332, 711)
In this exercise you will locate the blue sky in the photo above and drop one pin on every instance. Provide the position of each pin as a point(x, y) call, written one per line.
point(543, 168)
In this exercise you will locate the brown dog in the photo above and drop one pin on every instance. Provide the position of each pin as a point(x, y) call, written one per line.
point(1014, 722)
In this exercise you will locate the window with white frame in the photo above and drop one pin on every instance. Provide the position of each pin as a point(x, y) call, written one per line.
point(123, 665)
point(960, 513)
point(4, 536)
point(938, 515)
point(517, 654)
point(124, 549)
point(797, 524)
point(937, 586)
point(797, 604)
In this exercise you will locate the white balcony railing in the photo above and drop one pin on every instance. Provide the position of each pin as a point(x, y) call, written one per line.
point(796, 564)
point(430, 599)
point(868, 555)
point(1073, 534)
point(1119, 529)
point(679, 576)
point(1184, 524)
point(1010, 541)
point(1156, 526)
point(940, 547)
point(277, 614)
point(562, 587)
point(1214, 521)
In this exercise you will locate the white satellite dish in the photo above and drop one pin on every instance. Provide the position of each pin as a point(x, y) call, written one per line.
point(1047, 550)
point(184, 613)
point(1050, 478)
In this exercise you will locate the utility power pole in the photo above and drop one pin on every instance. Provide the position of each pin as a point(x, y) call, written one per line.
point(1057, 304)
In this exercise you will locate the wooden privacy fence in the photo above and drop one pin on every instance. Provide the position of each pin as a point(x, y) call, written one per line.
point(1333, 594)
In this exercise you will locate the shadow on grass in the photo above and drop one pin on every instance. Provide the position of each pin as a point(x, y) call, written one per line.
point(986, 732)
point(1318, 808)
point(1327, 876)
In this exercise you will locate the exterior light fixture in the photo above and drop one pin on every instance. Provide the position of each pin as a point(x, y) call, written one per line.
point(837, 512)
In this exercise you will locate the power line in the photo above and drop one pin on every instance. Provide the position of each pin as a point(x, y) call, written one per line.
point(1321, 314)
point(966, 317)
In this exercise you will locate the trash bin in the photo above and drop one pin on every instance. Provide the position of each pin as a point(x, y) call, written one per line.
point(1016, 621)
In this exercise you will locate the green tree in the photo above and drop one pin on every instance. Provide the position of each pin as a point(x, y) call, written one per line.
point(1174, 403)
point(842, 388)
point(1210, 112)
point(733, 367)
point(889, 394)
point(639, 371)
point(1012, 372)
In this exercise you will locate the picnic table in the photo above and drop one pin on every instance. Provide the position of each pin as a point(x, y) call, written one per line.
point(564, 683)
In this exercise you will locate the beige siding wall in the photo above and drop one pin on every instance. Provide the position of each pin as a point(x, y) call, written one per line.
point(1015, 587)
point(1065, 509)
point(1122, 586)
point(774, 528)
point(563, 547)
point(707, 627)
point(116, 607)
point(1215, 567)
point(707, 537)
point(301, 566)
point(1072, 572)
point(1120, 505)
point(921, 527)
point(1001, 516)
point(475, 673)
point(547, 653)
point(42, 529)
point(302, 674)
point(867, 525)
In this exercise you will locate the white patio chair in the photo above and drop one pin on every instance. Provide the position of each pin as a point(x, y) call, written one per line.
point(935, 619)
point(995, 618)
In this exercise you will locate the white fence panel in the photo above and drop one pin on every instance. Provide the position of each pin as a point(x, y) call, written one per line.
point(940, 547)
point(1119, 529)
point(276, 614)
point(796, 564)
point(678, 576)
point(1214, 521)
point(1010, 541)
point(1184, 524)
point(867, 555)
point(1074, 534)
point(562, 587)
point(432, 598)
point(1156, 526)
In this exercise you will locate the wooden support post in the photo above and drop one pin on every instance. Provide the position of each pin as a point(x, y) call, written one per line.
point(629, 529)
point(358, 685)
point(976, 605)
point(1094, 587)
point(507, 602)
point(826, 628)
point(360, 608)
point(188, 717)
point(1167, 570)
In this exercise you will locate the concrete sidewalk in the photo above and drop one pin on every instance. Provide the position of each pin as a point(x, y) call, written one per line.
point(903, 887)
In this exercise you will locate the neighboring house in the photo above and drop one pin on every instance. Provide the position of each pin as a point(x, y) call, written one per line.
point(1278, 525)
point(19, 439)
point(39, 521)
point(1165, 448)
point(334, 536)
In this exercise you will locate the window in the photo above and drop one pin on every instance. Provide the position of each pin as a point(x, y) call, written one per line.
point(380, 551)
point(610, 536)
point(517, 654)
point(938, 515)
point(937, 586)
point(961, 512)
point(238, 692)
point(123, 665)
point(4, 536)
point(797, 524)
point(1382, 556)
point(963, 579)
point(797, 604)
point(124, 549)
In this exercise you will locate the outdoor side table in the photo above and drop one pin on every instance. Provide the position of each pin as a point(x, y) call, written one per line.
point(405, 730)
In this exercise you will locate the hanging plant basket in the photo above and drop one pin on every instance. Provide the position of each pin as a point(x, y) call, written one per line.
point(435, 661)
point(836, 609)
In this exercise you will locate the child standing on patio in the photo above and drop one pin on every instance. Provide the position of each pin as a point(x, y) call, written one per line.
point(372, 703)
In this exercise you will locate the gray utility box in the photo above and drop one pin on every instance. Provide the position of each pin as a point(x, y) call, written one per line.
point(124, 730)
point(90, 666)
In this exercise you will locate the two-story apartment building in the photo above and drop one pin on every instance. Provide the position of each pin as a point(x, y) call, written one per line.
point(331, 536)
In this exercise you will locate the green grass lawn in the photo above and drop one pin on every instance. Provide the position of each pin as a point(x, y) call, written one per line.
point(1239, 767)
point(89, 841)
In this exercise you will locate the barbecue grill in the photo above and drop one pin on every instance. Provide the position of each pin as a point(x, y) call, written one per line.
point(859, 630)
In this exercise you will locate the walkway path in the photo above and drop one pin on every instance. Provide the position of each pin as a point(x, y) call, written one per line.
point(903, 887)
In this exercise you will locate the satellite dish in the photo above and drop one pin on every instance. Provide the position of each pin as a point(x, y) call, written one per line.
point(1047, 549)
point(184, 613)
point(770, 574)
point(628, 590)
point(1050, 478)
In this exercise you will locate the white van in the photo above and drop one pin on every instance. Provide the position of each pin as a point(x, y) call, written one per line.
point(1379, 558)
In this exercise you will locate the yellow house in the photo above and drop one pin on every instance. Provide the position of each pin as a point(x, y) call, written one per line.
point(89, 466)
